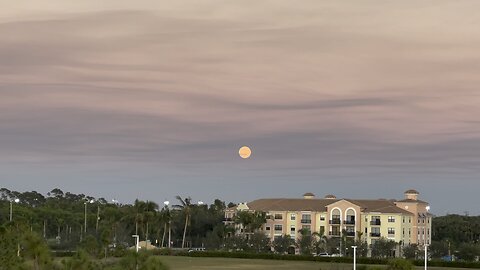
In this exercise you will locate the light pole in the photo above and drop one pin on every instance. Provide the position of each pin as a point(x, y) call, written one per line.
point(166, 203)
point(85, 225)
point(354, 257)
point(136, 242)
point(11, 207)
point(425, 239)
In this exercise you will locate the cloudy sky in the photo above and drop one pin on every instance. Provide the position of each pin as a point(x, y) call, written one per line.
point(150, 99)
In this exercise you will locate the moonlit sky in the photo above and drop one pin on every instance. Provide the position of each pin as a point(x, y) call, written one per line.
point(152, 99)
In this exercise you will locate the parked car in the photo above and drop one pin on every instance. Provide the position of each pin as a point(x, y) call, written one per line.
point(323, 254)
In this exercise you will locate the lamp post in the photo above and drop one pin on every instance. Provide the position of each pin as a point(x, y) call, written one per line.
point(136, 242)
point(166, 203)
point(425, 239)
point(11, 207)
point(85, 225)
point(354, 257)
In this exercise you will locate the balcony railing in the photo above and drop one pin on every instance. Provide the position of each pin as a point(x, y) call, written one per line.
point(228, 219)
point(374, 234)
point(375, 222)
point(335, 221)
point(349, 222)
point(306, 221)
point(350, 233)
point(334, 233)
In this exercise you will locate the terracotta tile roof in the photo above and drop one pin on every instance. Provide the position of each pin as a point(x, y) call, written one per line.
point(412, 201)
point(380, 206)
point(318, 205)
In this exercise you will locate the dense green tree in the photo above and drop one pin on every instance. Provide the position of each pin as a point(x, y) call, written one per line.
point(382, 248)
point(410, 251)
point(259, 242)
point(8, 248)
point(468, 251)
point(250, 221)
point(36, 250)
point(282, 244)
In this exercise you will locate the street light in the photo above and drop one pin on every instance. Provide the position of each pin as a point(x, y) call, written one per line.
point(167, 203)
point(85, 203)
point(354, 257)
point(11, 207)
point(425, 238)
point(136, 241)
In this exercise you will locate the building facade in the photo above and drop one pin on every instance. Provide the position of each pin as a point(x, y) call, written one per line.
point(404, 221)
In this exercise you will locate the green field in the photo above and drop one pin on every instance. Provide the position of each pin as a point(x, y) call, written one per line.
point(180, 263)
point(190, 263)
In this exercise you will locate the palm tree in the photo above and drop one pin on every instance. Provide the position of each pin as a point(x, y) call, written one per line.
point(36, 249)
point(185, 206)
point(166, 218)
point(321, 243)
point(251, 221)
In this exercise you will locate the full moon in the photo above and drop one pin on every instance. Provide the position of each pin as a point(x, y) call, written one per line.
point(245, 152)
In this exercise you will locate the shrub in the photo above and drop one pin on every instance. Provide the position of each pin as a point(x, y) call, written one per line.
point(400, 264)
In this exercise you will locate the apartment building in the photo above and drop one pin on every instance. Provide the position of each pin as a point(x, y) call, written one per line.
point(404, 221)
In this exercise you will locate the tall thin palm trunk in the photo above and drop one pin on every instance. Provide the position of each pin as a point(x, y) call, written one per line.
point(185, 231)
point(164, 232)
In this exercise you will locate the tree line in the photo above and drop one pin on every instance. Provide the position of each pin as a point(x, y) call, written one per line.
point(65, 221)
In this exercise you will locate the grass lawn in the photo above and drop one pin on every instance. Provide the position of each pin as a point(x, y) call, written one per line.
point(181, 263)
point(184, 263)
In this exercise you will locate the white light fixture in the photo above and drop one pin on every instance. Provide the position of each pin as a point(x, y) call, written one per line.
point(17, 200)
point(428, 207)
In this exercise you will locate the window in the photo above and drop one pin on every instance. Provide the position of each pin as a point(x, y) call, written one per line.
point(306, 218)
point(409, 220)
point(267, 228)
point(322, 218)
point(365, 230)
point(391, 231)
point(306, 227)
point(391, 219)
point(292, 216)
point(292, 230)
point(403, 219)
point(375, 220)
point(375, 232)
point(278, 216)
point(278, 227)
point(322, 228)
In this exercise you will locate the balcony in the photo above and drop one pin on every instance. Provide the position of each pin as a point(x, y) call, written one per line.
point(349, 222)
point(334, 233)
point(306, 221)
point(228, 219)
point(376, 222)
point(335, 221)
point(375, 234)
point(351, 234)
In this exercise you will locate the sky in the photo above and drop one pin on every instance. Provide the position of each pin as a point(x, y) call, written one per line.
point(152, 99)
